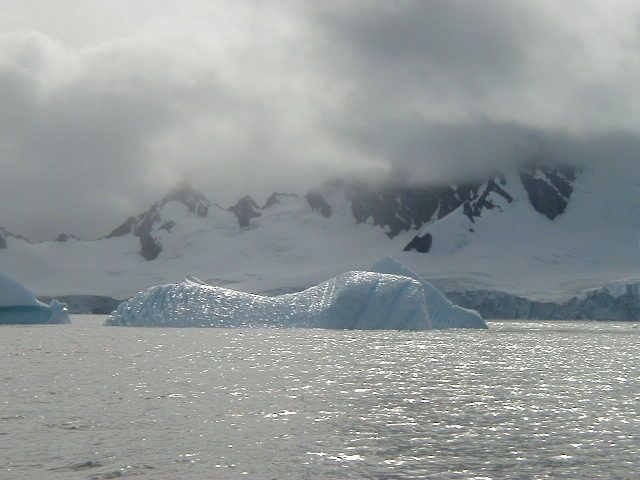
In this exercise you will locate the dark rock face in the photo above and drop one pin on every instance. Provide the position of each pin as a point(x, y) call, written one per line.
point(419, 243)
point(3, 242)
point(245, 209)
point(195, 201)
point(400, 208)
point(64, 237)
point(396, 208)
point(481, 198)
point(145, 225)
point(473, 198)
point(317, 202)
point(125, 228)
point(548, 188)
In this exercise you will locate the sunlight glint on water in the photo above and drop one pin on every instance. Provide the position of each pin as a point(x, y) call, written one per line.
point(523, 400)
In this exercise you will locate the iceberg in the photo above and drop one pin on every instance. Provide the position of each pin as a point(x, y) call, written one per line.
point(19, 306)
point(443, 312)
point(353, 300)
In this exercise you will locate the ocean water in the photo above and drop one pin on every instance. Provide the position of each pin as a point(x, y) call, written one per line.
point(522, 400)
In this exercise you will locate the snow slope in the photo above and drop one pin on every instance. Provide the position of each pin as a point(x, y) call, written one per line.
point(594, 243)
point(503, 235)
point(354, 300)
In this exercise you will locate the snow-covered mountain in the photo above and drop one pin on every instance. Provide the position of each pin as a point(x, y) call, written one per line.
point(541, 232)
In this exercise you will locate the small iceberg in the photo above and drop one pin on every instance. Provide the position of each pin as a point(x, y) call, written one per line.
point(19, 306)
point(444, 313)
point(353, 300)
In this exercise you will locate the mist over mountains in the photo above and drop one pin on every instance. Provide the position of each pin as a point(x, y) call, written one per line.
point(394, 205)
point(108, 104)
point(541, 230)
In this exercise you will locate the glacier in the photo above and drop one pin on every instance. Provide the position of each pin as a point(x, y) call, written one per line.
point(618, 301)
point(19, 306)
point(443, 312)
point(353, 300)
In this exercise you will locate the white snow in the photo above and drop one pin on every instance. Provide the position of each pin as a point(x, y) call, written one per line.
point(354, 300)
point(444, 314)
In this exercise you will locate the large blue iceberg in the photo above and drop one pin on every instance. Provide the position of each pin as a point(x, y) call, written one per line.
point(19, 306)
point(353, 300)
point(444, 313)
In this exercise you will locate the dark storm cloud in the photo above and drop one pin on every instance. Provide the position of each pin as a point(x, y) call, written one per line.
point(105, 105)
point(89, 138)
point(443, 89)
point(443, 44)
point(74, 148)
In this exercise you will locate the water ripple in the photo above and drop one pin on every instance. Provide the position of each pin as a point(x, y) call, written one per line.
point(523, 400)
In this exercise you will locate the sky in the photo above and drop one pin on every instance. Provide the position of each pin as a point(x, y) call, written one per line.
point(106, 104)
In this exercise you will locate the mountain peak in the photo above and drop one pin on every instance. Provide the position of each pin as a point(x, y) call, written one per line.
point(145, 225)
point(194, 199)
point(64, 237)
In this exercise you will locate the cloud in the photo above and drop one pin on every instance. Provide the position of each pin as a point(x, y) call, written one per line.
point(98, 133)
point(107, 104)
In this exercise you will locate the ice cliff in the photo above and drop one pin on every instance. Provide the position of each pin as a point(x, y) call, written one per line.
point(353, 300)
point(613, 302)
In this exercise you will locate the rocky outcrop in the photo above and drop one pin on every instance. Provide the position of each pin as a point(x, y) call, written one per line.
point(399, 207)
point(481, 198)
point(421, 244)
point(276, 198)
point(317, 202)
point(245, 209)
point(548, 188)
point(147, 224)
point(65, 237)
point(395, 206)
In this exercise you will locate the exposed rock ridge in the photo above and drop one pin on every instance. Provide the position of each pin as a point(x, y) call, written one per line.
point(277, 197)
point(4, 234)
point(548, 188)
point(145, 225)
point(65, 237)
point(245, 209)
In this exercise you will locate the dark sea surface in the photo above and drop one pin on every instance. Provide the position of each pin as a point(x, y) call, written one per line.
point(524, 400)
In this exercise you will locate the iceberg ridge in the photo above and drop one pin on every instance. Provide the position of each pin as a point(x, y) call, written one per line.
point(353, 300)
point(444, 313)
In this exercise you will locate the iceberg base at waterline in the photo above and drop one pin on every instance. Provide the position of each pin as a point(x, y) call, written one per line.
point(19, 306)
point(353, 300)
point(444, 313)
